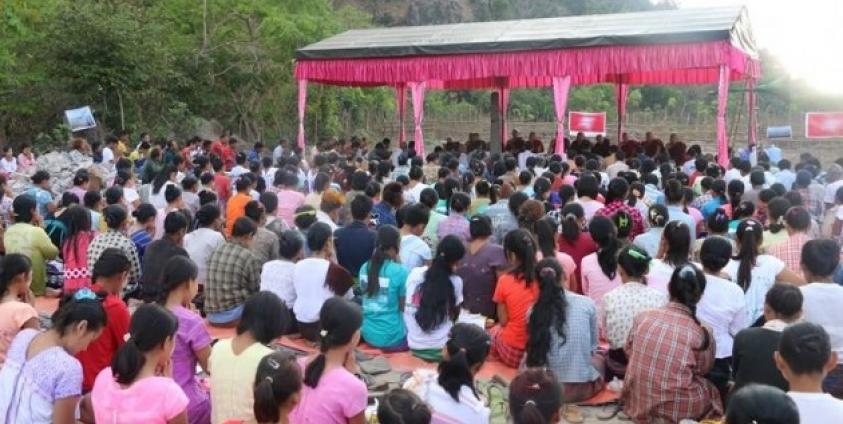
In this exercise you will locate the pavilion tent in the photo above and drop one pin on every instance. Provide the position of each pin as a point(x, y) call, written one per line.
point(681, 46)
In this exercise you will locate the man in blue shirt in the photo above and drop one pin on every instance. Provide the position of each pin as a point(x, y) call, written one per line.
point(41, 193)
point(355, 242)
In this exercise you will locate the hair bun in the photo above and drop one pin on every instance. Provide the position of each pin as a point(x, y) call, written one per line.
point(547, 272)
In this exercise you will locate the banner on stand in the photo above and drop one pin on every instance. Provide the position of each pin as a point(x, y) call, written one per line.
point(588, 123)
point(823, 124)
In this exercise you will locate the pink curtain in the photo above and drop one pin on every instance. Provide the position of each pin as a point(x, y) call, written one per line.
point(417, 92)
point(302, 105)
point(722, 100)
point(621, 97)
point(503, 105)
point(561, 86)
point(401, 99)
point(750, 104)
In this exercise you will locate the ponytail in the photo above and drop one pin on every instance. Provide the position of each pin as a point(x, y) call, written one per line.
point(735, 191)
point(535, 396)
point(340, 320)
point(437, 290)
point(686, 287)
point(277, 379)
point(571, 215)
point(777, 208)
point(548, 312)
point(467, 346)
point(749, 235)
point(521, 244)
point(150, 327)
point(388, 237)
point(604, 233)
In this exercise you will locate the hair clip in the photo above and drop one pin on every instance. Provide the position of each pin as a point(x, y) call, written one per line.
point(623, 222)
point(84, 294)
point(638, 255)
point(547, 272)
point(570, 216)
point(127, 337)
point(688, 271)
point(269, 379)
point(323, 333)
point(534, 386)
point(530, 403)
point(305, 213)
point(273, 363)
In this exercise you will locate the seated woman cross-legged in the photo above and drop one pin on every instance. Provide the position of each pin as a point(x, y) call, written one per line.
point(563, 337)
point(622, 304)
point(515, 294)
point(670, 353)
point(317, 279)
point(234, 274)
point(383, 281)
point(433, 301)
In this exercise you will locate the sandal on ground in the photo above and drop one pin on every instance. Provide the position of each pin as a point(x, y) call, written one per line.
point(573, 414)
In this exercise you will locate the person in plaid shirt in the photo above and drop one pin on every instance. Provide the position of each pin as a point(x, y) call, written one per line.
point(797, 222)
point(670, 353)
point(117, 219)
point(616, 201)
point(234, 274)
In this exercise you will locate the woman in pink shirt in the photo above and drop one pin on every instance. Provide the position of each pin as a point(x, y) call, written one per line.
point(26, 159)
point(137, 388)
point(599, 269)
point(289, 199)
point(545, 232)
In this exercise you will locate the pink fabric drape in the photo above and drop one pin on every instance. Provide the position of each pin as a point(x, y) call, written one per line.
point(417, 91)
point(676, 63)
point(722, 100)
point(621, 97)
point(401, 100)
point(561, 86)
point(301, 109)
point(750, 104)
point(503, 105)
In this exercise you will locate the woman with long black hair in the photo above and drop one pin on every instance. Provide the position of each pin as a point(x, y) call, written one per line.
point(433, 300)
point(573, 241)
point(674, 251)
point(383, 280)
point(515, 294)
point(599, 269)
point(563, 335)
point(754, 272)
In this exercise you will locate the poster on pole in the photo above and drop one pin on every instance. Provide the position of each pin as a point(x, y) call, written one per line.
point(824, 125)
point(80, 118)
point(589, 123)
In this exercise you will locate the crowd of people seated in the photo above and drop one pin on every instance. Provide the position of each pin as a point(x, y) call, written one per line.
point(696, 291)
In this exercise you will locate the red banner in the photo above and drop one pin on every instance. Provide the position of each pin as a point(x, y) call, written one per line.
point(588, 123)
point(823, 124)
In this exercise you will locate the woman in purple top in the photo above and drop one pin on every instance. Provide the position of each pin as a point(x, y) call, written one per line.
point(193, 343)
point(456, 223)
point(483, 263)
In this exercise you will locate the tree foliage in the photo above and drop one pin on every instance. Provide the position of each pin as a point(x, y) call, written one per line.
point(182, 67)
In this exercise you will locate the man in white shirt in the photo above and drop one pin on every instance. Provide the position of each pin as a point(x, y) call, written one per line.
point(414, 252)
point(619, 166)
point(823, 300)
point(804, 359)
point(834, 180)
point(416, 186)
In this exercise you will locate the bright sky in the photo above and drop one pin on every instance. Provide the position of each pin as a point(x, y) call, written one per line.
point(805, 35)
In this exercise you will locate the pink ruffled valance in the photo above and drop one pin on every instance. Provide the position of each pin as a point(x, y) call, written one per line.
point(688, 63)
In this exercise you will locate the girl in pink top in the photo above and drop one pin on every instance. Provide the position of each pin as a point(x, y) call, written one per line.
point(74, 248)
point(545, 230)
point(289, 199)
point(278, 385)
point(16, 311)
point(137, 388)
point(599, 269)
point(26, 159)
point(331, 393)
